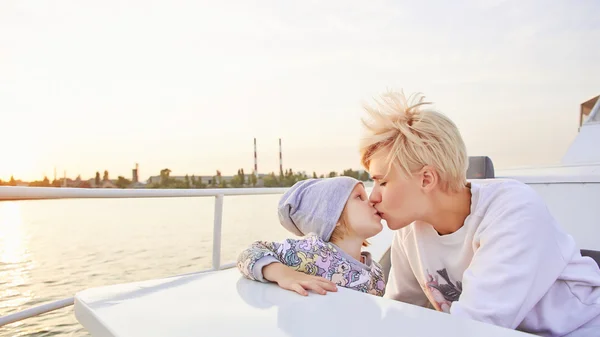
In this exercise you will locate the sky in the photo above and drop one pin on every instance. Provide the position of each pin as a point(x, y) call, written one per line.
point(187, 85)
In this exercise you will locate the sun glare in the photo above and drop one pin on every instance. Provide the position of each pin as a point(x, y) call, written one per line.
point(12, 249)
point(14, 257)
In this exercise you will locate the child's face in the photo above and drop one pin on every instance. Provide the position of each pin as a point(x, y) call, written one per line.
point(362, 216)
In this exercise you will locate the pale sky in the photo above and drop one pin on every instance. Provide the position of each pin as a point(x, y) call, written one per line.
point(186, 85)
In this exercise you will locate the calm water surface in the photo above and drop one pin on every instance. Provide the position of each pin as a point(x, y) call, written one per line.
point(51, 249)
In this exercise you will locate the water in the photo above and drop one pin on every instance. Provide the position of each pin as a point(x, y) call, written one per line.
point(51, 249)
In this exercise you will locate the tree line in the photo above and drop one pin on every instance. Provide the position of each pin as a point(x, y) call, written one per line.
point(285, 178)
point(121, 182)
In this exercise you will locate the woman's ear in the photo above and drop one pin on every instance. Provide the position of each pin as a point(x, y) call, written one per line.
point(429, 178)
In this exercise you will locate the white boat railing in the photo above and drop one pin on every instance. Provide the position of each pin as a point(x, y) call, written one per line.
point(17, 193)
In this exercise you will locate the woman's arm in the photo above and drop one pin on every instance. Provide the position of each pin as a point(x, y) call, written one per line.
point(519, 258)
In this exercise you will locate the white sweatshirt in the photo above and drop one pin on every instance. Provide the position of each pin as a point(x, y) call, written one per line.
point(510, 264)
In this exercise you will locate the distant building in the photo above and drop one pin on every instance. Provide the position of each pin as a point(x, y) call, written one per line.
point(78, 183)
point(103, 183)
point(153, 180)
point(137, 185)
point(206, 180)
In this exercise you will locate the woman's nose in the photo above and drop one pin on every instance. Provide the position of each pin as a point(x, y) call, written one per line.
point(375, 198)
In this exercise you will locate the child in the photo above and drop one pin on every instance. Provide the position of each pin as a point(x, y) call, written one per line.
point(335, 218)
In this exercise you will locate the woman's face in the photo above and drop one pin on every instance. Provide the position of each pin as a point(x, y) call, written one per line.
point(399, 200)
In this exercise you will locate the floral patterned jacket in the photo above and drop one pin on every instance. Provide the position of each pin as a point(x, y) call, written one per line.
point(313, 256)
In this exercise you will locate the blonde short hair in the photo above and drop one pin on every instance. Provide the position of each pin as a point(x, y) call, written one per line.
point(413, 136)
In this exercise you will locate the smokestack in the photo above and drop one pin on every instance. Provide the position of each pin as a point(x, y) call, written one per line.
point(135, 174)
point(280, 159)
point(255, 161)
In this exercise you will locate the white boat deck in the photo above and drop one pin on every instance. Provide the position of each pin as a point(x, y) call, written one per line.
point(223, 303)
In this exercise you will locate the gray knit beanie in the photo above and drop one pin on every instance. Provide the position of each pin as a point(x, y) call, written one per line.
point(315, 205)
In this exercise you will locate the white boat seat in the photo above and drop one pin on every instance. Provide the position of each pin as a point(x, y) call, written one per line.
point(594, 254)
point(480, 167)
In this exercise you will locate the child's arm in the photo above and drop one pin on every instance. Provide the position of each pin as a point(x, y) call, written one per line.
point(291, 264)
point(302, 255)
point(251, 261)
point(289, 279)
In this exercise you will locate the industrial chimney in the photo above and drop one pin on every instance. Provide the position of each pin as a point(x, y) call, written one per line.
point(255, 160)
point(135, 174)
point(280, 159)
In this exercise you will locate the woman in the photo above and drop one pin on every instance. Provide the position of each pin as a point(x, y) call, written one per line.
point(492, 251)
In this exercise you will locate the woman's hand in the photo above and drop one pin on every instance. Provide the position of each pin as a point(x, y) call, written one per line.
point(289, 279)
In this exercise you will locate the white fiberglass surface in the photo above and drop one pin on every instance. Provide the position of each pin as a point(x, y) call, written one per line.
point(225, 304)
